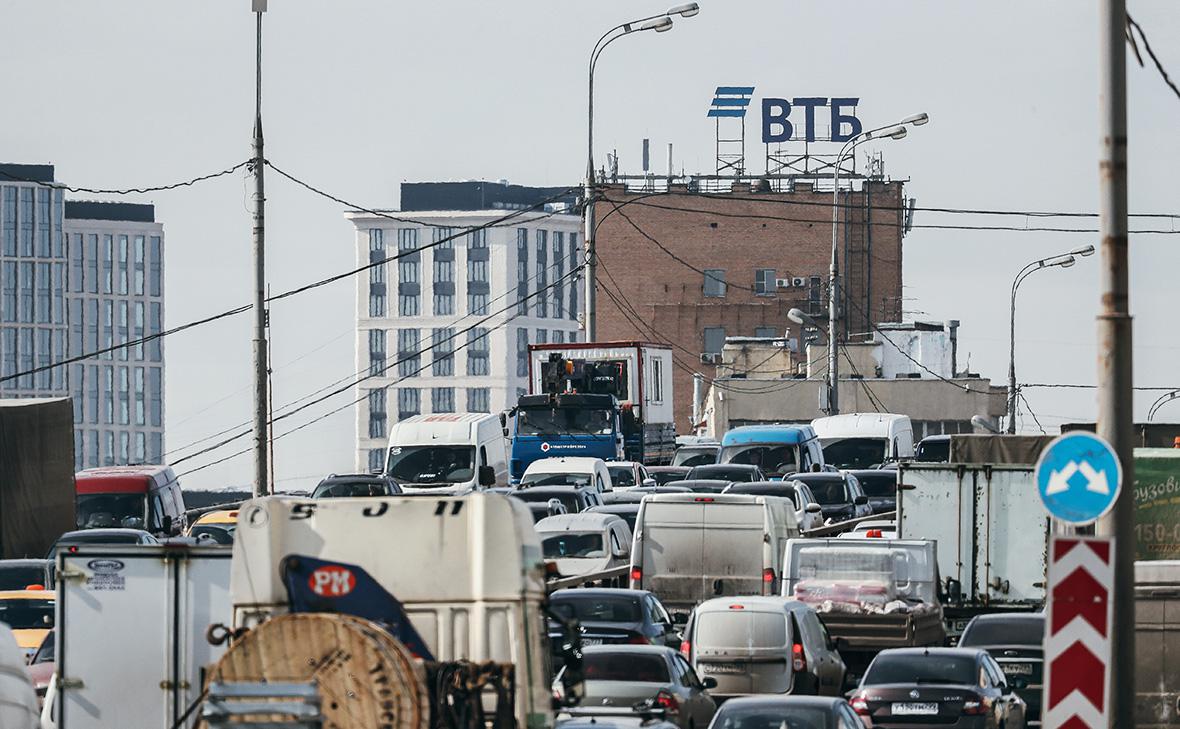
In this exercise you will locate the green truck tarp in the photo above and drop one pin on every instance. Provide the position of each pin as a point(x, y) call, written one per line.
point(36, 474)
point(996, 449)
point(1157, 503)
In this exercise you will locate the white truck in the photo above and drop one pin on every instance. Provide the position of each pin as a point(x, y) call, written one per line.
point(865, 440)
point(638, 375)
point(992, 531)
point(447, 453)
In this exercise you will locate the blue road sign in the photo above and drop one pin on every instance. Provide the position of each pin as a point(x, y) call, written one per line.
point(1078, 477)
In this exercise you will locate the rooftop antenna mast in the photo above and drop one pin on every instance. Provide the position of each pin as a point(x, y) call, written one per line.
point(729, 106)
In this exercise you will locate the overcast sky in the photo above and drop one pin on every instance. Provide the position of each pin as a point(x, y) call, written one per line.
point(360, 96)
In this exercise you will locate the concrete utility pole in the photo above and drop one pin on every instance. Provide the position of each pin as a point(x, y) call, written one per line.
point(1115, 421)
point(261, 421)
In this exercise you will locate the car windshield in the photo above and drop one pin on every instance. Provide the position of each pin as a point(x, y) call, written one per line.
point(779, 717)
point(829, 492)
point(555, 479)
point(878, 485)
point(921, 668)
point(431, 465)
point(220, 533)
point(933, 451)
point(694, 456)
point(600, 609)
point(663, 477)
point(563, 421)
point(621, 476)
point(723, 473)
point(18, 577)
point(96, 511)
point(630, 667)
point(767, 489)
point(571, 544)
point(854, 452)
point(777, 460)
point(47, 653)
point(26, 614)
point(1014, 631)
point(349, 489)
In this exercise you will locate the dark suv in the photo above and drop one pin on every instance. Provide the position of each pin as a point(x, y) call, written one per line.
point(350, 485)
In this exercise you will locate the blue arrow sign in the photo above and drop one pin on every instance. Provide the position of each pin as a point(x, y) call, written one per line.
point(1078, 477)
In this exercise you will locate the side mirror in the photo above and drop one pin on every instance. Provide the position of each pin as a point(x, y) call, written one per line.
point(861, 500)
point(954, 590)
point(709, 682)
point(503, 420)
point(167, 522)
point(649, 482)
point(487, 476)
point(573, 680)
point(813, 509)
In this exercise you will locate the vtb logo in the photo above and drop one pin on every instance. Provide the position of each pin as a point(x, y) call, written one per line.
point(777, 126)
point(331, 581)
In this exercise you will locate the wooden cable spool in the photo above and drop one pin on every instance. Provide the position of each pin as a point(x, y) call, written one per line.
point(367, 679)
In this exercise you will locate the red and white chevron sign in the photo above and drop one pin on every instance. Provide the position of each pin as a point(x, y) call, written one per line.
point(1077, 633)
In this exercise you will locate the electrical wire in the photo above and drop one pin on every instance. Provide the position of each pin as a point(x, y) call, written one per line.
point(1072, 386)
point(131, 190)
point(1147, 46)
point(1030, 411)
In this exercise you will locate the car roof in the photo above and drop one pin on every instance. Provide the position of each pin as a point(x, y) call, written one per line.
point(554, 489)
point(726, 466)
point(772, 701)
point(355, 478)
point(781, 434)
point(596, 520)
point(669, 469)
point(221, 516)
point(769, 602)
point(815, 476)
point(873, 473)
point(563, 464)
point(1009, 618)
point(688, 483)
point(620, 464)
point(656, 650)
point(962, 652)
point(112, 532)
point(616, 507)
point(598, 592)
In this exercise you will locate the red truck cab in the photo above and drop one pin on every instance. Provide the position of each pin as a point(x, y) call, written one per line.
point(131, 497)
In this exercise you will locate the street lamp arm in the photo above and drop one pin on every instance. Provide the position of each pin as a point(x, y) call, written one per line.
point(1162, 400)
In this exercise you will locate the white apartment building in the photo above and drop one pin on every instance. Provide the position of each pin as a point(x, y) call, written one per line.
point(446, 326)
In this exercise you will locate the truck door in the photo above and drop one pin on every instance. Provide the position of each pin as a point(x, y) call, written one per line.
point(673, 552)
point(1012, 536)
point(734, 537)
point(938, 503)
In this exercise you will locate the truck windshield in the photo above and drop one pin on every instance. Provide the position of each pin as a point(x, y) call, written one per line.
point(95, 511)
point(564, 421)
point(855, 452)
point(689, 456)
point(570, 544)
point(431, 465)
point(777, 460)
point(27, 614)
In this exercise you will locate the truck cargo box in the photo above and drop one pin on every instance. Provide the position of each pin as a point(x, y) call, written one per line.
point(36, 474)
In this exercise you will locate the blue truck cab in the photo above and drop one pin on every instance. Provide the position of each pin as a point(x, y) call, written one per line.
point(564, 424)
point(777, 449)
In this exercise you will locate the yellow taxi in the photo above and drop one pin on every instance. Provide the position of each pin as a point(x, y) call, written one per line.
point(218, 525)
point(30, 615)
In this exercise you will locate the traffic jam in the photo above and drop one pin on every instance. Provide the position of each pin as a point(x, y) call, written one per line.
point(570, 562)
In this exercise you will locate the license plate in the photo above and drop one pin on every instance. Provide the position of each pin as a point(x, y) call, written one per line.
point(915, 709)
point(1017, 669)
point(721, 668)
point(591, 641)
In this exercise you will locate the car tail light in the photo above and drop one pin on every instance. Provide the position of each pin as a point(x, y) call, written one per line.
point(874, 534)
point(34, 587)
point(636, 576)
point(798, 660)
point(685, 648)
point(975, 706)
point(859, 705)
point(768, 575)
point(666, 701)
point(704, 499)
point(638, 639)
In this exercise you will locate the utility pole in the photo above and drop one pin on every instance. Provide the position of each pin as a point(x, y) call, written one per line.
point(261, 400)
point(1115, 418)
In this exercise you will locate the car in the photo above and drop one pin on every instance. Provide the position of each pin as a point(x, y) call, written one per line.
point(43, 664)
point(583, 543)
point(628, 511)
point(217, 526)
point(696, 455)
point(97, 536)
point(838, 494)
point(567, 471)
point(574, 498)
point(543, 509)
point(807, 512)
point(791, 712)
point(30, 615)
point(355, 485)
point(668, 474)
point(872, 529)
point(1015, 641)
point(727, 472)
point(628, 474)
point(623, 675)
point(18, 574)
point(881, 488)
point(615, 615)
point(932, 687)
point(635, 495)
point(933, 449)
point(132, 497)
point(704, 485)
point(763, 645)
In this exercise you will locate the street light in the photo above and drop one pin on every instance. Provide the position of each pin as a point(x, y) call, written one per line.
point(659, 23)
point(889, 131)
point(1061, 260)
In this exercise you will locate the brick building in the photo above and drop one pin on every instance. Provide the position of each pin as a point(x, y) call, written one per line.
point(691, 268)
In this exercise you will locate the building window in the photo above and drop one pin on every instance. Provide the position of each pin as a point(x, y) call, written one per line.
point(558, 274)
point(156, 397)
point(376, 460)
point(92, 394)
point(9, 218)
point(477, 272)
point(124, 328)
point(409, 286)
point(714, 340)
point(409, 359)
point(92, 460)
point(558, 336)
point(376, 352)
point(766, 332)
point(44, 293)
point(108, 451)
point(124, 396)
point(407, 402)
point(156, 267)
point(43, 221)
point(573, 279)
point(541, 302)
point(8, 352)
point(377, 283)
point(444, 271)
point(44, 357)
point(522, 271)
point(124, 256)
point(157, 454)
point(764, 284)
point(140, 256)
point(108, 395)
point(477, 351)
point(26, 222)
point(24, 312)
point(25, 351)
point(714, 282)
point(124, 448)
point(542, 336)
point(77, 263)
point(377, 414)
point(442, 399)
point(108, 265)
point(140, 447)
point(138, 329)
point(155, 326)
point(479, 400)
point(8, 285)
point(522, 352)
point(443, 345)
point(77, 327)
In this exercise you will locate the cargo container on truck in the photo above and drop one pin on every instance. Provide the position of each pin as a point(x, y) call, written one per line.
point(638, 374)
point(36, 474)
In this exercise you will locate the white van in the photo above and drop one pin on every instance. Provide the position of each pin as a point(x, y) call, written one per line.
point(586, 542)
point(865, 440)
point(690, 547)
point(447, 453)
point(568, 471)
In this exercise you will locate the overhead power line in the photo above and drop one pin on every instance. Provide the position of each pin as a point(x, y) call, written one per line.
point(130, 190)
point(1131, 24)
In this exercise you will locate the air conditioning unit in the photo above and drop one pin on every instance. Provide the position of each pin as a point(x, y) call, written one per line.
point(799, 282)
point(713, 358)
point(783, 283)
